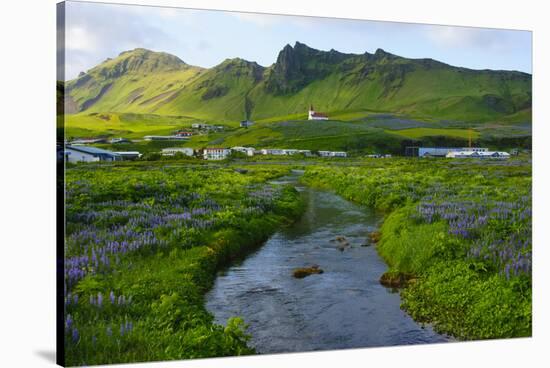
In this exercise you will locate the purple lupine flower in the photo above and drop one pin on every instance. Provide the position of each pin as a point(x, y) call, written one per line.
point(112, 297)
point(68, 321)
point(75, 335)
point(99, 299)
point(122, 329)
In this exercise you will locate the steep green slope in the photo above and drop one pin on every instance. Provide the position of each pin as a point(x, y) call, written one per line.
point(135, 81)
point(142, 81)
point(218, 93)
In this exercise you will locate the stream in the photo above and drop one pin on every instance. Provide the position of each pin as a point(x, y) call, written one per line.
point(344, 307)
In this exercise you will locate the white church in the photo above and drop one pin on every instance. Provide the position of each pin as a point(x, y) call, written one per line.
point(313, 115)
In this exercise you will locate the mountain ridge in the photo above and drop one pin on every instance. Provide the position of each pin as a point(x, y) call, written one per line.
point(144, 81)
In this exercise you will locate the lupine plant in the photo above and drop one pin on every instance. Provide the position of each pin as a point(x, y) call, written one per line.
point(143, 243)
point(460, 229)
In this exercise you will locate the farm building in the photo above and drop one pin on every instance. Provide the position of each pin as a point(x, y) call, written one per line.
point(89, 154)
point(172, 151)
point(443, 151)
point(479, 154)
point(216, 153)
point(183, 133)
point(165, 138)
point(89, 141)
point(332, 154)
point(314, 115)
point(249, 151)
point(119, 140)
point(246, 123)
point(129, 155)
point(207, 126)
point(273, 151)
point(379, 155)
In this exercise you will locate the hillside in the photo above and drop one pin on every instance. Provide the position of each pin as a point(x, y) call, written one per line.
point(147, 82)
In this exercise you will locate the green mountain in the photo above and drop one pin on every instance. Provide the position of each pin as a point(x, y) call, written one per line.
point(343, 85)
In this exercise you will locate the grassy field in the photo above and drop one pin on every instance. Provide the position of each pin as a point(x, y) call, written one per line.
point(124, 125)
point(143, 244)
point(428, 132)
point(457, 232)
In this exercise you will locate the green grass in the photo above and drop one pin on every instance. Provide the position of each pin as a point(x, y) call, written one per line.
point(123, 124)
point(464, 255)
point(178, 225)
point(428, 132)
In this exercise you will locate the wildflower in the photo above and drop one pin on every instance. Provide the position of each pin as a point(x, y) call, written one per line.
point(68, 321)
point(75, 335)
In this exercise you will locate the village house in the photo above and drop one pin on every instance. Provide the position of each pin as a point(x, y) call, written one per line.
point(172, 151)
point(314, 115)
point(183, 133)
point(119, 140)
point(479, 154)
point(211, 153)
point(273, 151)
point(89, 154)
point(332, 154)
point(379, 155)
point(129, 155)
point(202, 126)
point(443, 151)
point(165, 138)
point(249, 151)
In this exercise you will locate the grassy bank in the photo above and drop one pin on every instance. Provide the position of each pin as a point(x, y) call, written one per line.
point(459, 230)
point(143, 244)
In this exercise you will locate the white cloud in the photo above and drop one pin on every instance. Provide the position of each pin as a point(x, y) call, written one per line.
point(466, 37)
point(80, 39)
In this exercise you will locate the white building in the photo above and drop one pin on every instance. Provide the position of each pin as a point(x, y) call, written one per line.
point(216, 153)
point(129, 155)
point(172, 151)
point(443, 151)
point(89, 154)
point(313, 115)
point(249, 151)
point(273, 151)
point(332, 154)
point(165, 138)
point(479, 154)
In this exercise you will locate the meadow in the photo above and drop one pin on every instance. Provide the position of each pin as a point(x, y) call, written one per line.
point(145, 239)
point(143, 243)
point(457, 233)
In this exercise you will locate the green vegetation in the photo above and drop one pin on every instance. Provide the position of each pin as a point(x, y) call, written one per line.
point(458, 231)
point(348, 86)
point(427, 132)
point(143, 244)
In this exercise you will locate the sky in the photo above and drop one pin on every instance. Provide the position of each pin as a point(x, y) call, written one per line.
point(95, 32)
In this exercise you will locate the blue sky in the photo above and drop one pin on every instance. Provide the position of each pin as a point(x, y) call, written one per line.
point(97, 31)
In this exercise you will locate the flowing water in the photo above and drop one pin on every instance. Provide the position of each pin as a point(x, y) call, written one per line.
point(344, 307)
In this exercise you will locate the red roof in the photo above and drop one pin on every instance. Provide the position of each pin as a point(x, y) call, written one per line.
point(319, 115)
